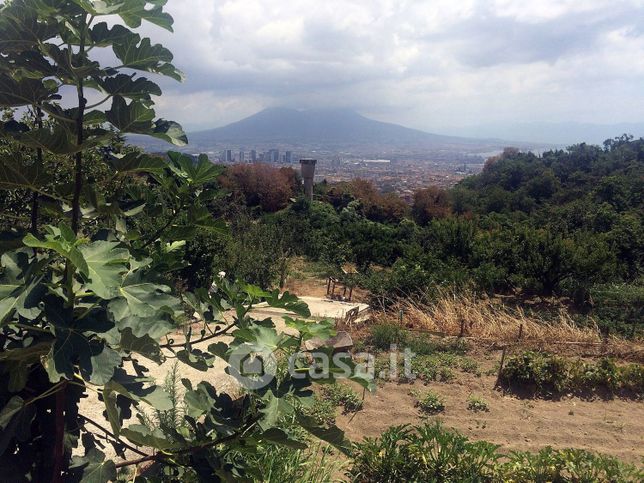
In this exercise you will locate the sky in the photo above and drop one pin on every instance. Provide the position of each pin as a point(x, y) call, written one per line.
point(434, 65)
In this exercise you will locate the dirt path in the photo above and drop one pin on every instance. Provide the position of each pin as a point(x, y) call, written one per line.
point(614, 427)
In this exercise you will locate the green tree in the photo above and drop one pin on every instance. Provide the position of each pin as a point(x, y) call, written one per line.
point(86, 304)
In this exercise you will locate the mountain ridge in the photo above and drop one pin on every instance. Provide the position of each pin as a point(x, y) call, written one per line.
point(335, 126)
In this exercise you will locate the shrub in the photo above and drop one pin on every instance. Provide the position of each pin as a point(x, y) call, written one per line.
point(342, 395)
point(542, 373)
point(322, 411)
point(313, 462)
point(567, 465)
point(605, 374)
point(430, 453)
point(632, 378)
point(384, 335)
point(549, 375)
point(476, 404)
point(440, 367)
point(470, 366)
point(423, 345)
point(430, 403)
point(427, 453)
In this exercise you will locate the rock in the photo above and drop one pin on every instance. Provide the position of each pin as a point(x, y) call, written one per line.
point(341, 342)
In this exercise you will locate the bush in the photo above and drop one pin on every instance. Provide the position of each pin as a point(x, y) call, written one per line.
point(430, 453)
point(322, 411)
point(567, 465)
point(543, 373)
point(430, 403)
point(549, 375)
point(440, 366)
point(427, 453)
point(476, 404)
point(423, 345)
point(384, 335)
point(342, 395)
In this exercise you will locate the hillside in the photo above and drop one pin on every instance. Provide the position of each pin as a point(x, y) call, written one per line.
point(333, 130)
point(332, 126)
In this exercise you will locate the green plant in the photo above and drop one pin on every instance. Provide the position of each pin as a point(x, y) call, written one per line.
point(549, 375)
point(169, 421)
point(543, 373)
point(428, 453)
point(430, 402)
point(304, 461)
point(431, 453)
point(470, 366)
point(323, 411)
point(342, 395)
point(424, 345)
point(567, 465)
point(437, 367)
point(476, 404)
point(88, 301)
point(383, 336)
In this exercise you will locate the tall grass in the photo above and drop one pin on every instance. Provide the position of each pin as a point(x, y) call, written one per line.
point(491, 321)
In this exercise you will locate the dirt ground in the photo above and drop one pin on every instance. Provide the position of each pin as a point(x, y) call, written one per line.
point(614, 427)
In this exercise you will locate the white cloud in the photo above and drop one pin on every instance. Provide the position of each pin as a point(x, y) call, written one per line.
point(425, 63)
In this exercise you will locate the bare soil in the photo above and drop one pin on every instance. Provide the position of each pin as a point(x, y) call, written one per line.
point(614, 427)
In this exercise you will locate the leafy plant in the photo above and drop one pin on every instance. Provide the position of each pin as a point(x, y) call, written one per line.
point(567, 465)
point(430, 402)
point(476, 404)
point(431, 453)
point(88, 301)
point(342, 395)
point(427, 453)
point(550, 375)
point(383, 336)
point(542, 373)
point(323, 411)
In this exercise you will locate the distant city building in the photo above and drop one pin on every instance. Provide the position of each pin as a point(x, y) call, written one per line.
point(242, 156)
point(253, 155)
point(288, 157)
point(273, 156)
point(227, 156)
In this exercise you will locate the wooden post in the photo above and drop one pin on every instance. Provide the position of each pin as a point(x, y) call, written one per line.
point(520, 332)
point(462, 329)
point(498, 376)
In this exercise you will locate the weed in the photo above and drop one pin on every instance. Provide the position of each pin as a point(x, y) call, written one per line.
point(322, 411)
point(567, 465)
point(427, 453)
point(476, 404)
point(430, 402)
point(470, 366)
point(425, 345)
point(342, 395)
point(383, 336)
point(549, 375)
point(430, 453)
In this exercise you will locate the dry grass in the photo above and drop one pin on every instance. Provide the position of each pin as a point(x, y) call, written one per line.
point(489, 320)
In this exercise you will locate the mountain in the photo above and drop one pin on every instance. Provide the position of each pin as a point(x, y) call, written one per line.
point(320, 126)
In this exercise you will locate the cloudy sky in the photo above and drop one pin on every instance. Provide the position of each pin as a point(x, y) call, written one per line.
point(428, 64)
